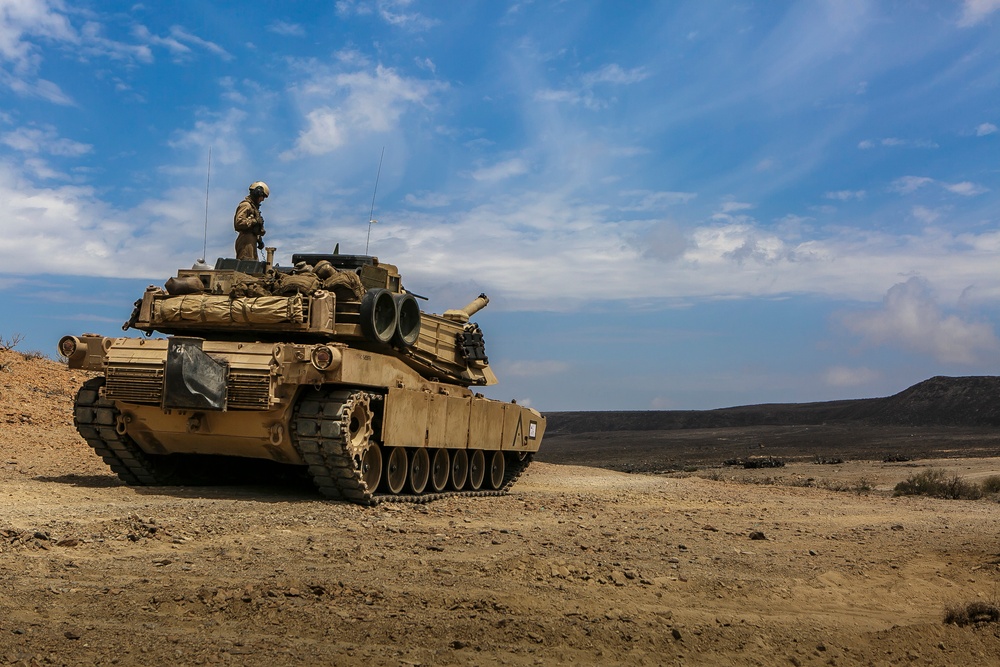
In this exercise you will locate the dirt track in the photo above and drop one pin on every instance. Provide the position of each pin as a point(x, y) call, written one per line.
point(577, 565)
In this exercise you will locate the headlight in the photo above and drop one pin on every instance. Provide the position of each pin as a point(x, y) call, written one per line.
point(325, 358)
point(68, 346)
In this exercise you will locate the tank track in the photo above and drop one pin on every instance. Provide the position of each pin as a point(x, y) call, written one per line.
point(319, 434)
point(95, 417)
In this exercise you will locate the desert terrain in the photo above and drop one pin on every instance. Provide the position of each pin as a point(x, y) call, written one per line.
point(618, 546)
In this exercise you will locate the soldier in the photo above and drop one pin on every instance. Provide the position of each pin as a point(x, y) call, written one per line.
point(249, 223)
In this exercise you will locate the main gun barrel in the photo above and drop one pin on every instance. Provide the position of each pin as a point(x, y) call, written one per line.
point(463, 314)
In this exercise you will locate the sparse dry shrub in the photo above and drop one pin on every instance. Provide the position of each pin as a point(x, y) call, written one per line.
point(991, 484)
point(860, 486)
point(33, 354)
point(936, 484)
point(10, 343)
point(973, 613)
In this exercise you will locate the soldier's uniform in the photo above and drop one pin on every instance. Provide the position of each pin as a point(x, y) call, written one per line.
point(248, 222)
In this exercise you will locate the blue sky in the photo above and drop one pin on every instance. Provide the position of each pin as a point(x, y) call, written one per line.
point(670, 204)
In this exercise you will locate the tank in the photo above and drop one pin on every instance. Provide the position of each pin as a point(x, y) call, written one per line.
point(329, 367)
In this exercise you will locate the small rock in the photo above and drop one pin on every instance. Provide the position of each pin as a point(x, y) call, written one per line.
point(675, 633)
point(71, 634)
point(757, 535)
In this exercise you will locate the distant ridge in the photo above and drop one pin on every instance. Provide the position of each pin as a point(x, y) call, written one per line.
point(939, 401)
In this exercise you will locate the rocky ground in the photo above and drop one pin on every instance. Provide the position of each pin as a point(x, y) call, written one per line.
point(808, 565)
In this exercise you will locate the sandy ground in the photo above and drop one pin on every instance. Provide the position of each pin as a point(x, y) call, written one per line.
point(576, 566)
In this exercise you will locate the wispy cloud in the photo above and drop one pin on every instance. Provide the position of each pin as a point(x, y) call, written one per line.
point(177, 42)
point(895, 142)
point(909, 184)
point(645, 200)
point(975, 11)
point(394, 12)
point(845, 195)
point(501, 170)
point(287, 29)
point(584, 90)
point(984, 129)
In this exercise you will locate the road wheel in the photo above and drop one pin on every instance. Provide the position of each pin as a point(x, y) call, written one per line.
point(440, 465)
point(395, 470)
point(496, 470)
point(371, 466)
point(477, 469)
point(420, 470)
point(459, 469)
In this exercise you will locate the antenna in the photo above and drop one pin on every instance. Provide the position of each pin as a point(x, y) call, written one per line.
point(371, 219)
point(208, 182)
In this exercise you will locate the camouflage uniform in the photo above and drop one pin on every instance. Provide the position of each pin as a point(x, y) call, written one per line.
point(249, 223)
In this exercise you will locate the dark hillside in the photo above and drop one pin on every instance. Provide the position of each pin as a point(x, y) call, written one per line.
point(939, 401)
point(940, 417)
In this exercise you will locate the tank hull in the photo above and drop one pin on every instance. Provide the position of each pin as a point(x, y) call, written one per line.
point(334, 409)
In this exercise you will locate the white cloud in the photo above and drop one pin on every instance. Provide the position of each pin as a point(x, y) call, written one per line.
point(323, 134)
point(43, 140)
point(393, 12)
point(732, 206)
point(845, 195)
point(501, 170)
point(974, 11)
point(354, 104)
point(911, 318)
point(984, 129)
point(965, 188)
point(908, 184)
point(287, 29)
point(896, 142)
point(740, 243)
point(614, 74)
point(221, 132)
point(183, 35)
point(582, 91)
point(22, 19)
point(646, 200)
point(842, 376)
point(175, 42)
point(925, 215)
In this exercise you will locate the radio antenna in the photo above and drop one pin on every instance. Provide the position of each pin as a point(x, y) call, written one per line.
point(208, 183)
point(371, 213)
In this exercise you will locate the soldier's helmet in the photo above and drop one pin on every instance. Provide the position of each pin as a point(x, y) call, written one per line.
point(260, 188)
